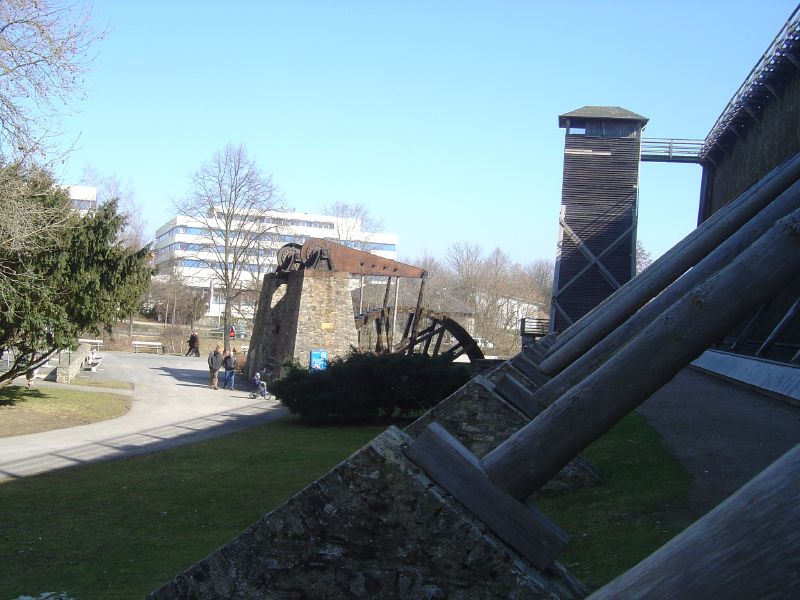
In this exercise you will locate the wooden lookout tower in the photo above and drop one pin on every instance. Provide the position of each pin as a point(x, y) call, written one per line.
point(597, 236)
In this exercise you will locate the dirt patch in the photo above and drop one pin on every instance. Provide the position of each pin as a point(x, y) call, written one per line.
point(24, 411)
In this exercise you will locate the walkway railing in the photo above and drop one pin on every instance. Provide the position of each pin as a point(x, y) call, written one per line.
point(671, 150)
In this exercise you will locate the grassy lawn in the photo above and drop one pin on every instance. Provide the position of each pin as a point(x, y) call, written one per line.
point(24, 410)
point(105, 383)
point(117, 530)
point(641, 504)
point(120, 529)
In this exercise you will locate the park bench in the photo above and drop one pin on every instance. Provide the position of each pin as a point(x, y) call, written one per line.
point(93, 360)
point(147, 346)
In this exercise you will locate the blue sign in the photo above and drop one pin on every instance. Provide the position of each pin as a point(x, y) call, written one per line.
point(318, 361)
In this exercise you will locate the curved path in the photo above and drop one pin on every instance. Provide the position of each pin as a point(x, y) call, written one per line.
point(172, 406)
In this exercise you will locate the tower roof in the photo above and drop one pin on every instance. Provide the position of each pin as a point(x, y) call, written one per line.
point(578, 116)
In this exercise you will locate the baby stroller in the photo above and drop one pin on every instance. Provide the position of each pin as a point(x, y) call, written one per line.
point(261, 388)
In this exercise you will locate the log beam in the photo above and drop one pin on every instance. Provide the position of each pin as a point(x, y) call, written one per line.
point(530, 457)
point(570, 376)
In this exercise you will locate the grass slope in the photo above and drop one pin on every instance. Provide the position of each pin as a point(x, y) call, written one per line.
point(641, 503)
point(24, 410)
point(118, 530)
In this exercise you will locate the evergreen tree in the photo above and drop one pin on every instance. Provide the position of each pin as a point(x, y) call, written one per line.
point(85, 282)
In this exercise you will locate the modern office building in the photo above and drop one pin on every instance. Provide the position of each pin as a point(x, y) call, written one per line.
point(188, 246)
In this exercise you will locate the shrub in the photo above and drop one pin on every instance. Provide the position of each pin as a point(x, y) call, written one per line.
point(366, 387)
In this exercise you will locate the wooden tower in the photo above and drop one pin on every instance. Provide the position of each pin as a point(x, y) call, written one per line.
point(597, 235)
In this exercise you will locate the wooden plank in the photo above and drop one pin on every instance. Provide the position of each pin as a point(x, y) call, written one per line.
point(458, 471)
point(525, 366)
point(518, 395)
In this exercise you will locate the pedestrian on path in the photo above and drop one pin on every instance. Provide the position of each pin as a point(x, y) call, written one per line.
point(214, 365)
point(194, 345)
point(229, 362)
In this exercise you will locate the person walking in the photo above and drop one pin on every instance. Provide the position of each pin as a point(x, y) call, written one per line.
point(214, 365)
point(194, 345)
point(229, 363)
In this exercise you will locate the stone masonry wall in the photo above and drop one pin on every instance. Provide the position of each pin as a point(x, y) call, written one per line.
point(373, 527)
point(325, 316)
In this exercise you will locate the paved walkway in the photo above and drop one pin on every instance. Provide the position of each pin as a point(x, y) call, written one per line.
point(172, 406)
point(723, 434)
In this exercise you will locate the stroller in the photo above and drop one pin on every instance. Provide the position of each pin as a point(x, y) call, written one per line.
point(261, 388)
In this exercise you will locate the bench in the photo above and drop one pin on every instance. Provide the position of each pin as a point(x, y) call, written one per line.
point(92, 364)
point(146, 346)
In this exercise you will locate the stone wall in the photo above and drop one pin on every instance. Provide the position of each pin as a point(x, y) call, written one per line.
point(325, 319)
point(298, 312)
point(71, 363)
point(374, 527)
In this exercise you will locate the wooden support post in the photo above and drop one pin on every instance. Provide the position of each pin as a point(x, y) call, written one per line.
point(530, 457)
point(780, 328)
point(417, 314)
point(751, 324)
point(518, 396)
point(716, 260)
point(456, 469)
point(528, 368)
point(635, 293)
point(394, 313)
point(744, 548)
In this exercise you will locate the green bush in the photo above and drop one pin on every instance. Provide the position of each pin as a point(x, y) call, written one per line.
point(366, 387)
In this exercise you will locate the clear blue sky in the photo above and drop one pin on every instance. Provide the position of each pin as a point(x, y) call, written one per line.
point(440, 117)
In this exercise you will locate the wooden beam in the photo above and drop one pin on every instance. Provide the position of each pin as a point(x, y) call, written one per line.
point(646, 363)
point(567, 374)
point(518, 396)
point(458, 471)
point(779, 328)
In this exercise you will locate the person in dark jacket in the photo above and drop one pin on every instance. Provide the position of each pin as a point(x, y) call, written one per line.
point(214, 365)
point(194, 345)
point(229, 362)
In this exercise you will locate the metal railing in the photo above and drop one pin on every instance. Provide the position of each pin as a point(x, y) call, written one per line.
point(671, 150)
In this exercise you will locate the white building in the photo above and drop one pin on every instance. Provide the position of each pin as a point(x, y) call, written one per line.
point(186, 245)
point(83, 198)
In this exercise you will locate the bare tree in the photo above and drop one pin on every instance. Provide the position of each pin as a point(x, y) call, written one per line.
point(44, 53)
point(539, 275)
point(43, 49)
point(109, 187)
point(229, 198)
point(643, 259)
point(465, 263)
point(352, 220)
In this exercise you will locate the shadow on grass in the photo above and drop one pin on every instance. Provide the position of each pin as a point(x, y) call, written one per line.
point(11, 395)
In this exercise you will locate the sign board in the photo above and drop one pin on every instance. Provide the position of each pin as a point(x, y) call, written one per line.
point(318, 360)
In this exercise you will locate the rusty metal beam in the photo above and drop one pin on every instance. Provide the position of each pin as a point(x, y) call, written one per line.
point(317, 253)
